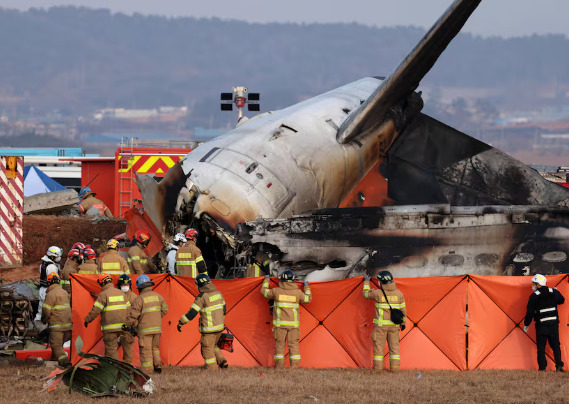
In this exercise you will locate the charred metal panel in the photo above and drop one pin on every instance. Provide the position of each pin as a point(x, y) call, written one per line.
point(436, 241)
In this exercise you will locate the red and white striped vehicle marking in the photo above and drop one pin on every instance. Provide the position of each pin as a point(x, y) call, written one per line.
point(11, 209)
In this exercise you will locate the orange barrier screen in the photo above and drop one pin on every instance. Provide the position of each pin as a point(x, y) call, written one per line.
point(336, 327)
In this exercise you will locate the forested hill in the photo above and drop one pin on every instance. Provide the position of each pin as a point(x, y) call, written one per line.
point(79, 59)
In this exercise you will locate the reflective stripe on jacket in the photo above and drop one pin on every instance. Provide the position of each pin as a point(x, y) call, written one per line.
point(137, 260)
point(113, 263)
point(56, 310)
point(146, 312)
point(287, 297)
point(187, 257)
point(382, 311)
point(88, 267)
point(113, 306)
point(211, 306)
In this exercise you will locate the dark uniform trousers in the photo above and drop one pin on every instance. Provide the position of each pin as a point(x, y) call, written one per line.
point(544, 334)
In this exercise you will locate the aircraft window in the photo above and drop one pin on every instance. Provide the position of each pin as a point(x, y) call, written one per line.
point(414, 261)
point(486, 259)
point(451, 260)
point(209, 153)
point(251, 168)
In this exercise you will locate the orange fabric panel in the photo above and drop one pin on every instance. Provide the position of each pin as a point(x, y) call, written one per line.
point(497, 307)
point(372, 187)
point(251, 322)
point(336, 327)
point(445, 325)
point(418, 352)
point(351, 323)
point(320, 349)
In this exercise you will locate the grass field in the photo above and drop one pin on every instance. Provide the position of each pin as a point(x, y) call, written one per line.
point(22, 384)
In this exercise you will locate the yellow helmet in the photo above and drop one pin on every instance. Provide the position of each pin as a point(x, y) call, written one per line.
point(112, 243)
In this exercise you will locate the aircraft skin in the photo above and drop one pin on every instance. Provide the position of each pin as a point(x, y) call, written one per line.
point(312, 155)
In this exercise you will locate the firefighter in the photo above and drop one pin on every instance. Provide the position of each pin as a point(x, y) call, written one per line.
point(89, 266)
point(126, 339)
point(189, 260)
point(211, 306)
point(287, 297)
point(385, 329)
point(179, 240)
point(112, 262)
point(113, 306)
point(56, 311)
point(89, 202)
point(259, 267)
point(74, 259)
point(542, 307)
point(49, 264)
point(136, 257)
point(146, 314)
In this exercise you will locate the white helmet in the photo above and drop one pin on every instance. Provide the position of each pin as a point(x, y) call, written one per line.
point(539, 279)
point(180, 238)
point(54, 253)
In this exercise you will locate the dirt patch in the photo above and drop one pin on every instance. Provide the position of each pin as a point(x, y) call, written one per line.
point(42, 231)
point(262, 385)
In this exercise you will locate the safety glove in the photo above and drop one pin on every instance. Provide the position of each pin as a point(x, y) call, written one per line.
point(305, 283)
point(267, 277)
point(366, 277)
point(86, 324)
point(526, 328)
point(179, 327)
point(402, 326)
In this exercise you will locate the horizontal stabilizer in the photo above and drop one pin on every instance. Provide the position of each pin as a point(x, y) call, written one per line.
point(406, 77)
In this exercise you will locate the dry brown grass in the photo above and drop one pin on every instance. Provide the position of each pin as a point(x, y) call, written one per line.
point(259, 385)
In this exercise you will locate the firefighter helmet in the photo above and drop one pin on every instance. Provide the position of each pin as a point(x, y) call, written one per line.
point(539, 279)
point(74, 254)
point(54, 253)
point(104, 279)
point(89, 253)
point(79, 246)
point(52, 278)
point(202, 280)
point(191, 234)
point(85, 192)
point(287, 276)
point(142, 237)
point(112, 244)
point(385, 277)
point(179, 238)
point(143, 281)
point(124, 279)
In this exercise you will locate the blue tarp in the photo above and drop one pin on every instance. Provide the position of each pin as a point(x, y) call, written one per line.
point(36, 182)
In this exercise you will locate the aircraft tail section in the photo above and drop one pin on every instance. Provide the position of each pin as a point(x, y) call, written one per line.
point(431, 162)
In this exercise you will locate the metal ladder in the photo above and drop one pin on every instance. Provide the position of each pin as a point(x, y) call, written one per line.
point(126, 179)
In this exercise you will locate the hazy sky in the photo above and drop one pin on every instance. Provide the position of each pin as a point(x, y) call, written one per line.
point(493, 17)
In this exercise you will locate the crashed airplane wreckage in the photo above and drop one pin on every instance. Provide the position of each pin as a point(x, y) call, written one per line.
point(361, 145)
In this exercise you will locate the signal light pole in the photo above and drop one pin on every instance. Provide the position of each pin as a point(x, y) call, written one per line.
point(239, 98)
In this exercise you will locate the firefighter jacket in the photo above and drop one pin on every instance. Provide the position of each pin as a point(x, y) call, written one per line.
point(130, 296)
point(113, 306)
point(382, 311)
point(146, 312)
point(189, 260)
point(257, 269)
point(113, 263)
point(91, 202)
point(69, 268)
point(47, 266)
point(56, 310)
point(88, 267)
point(287, 297)
point(137, 260)
point(542, 307)
point(211, 306)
